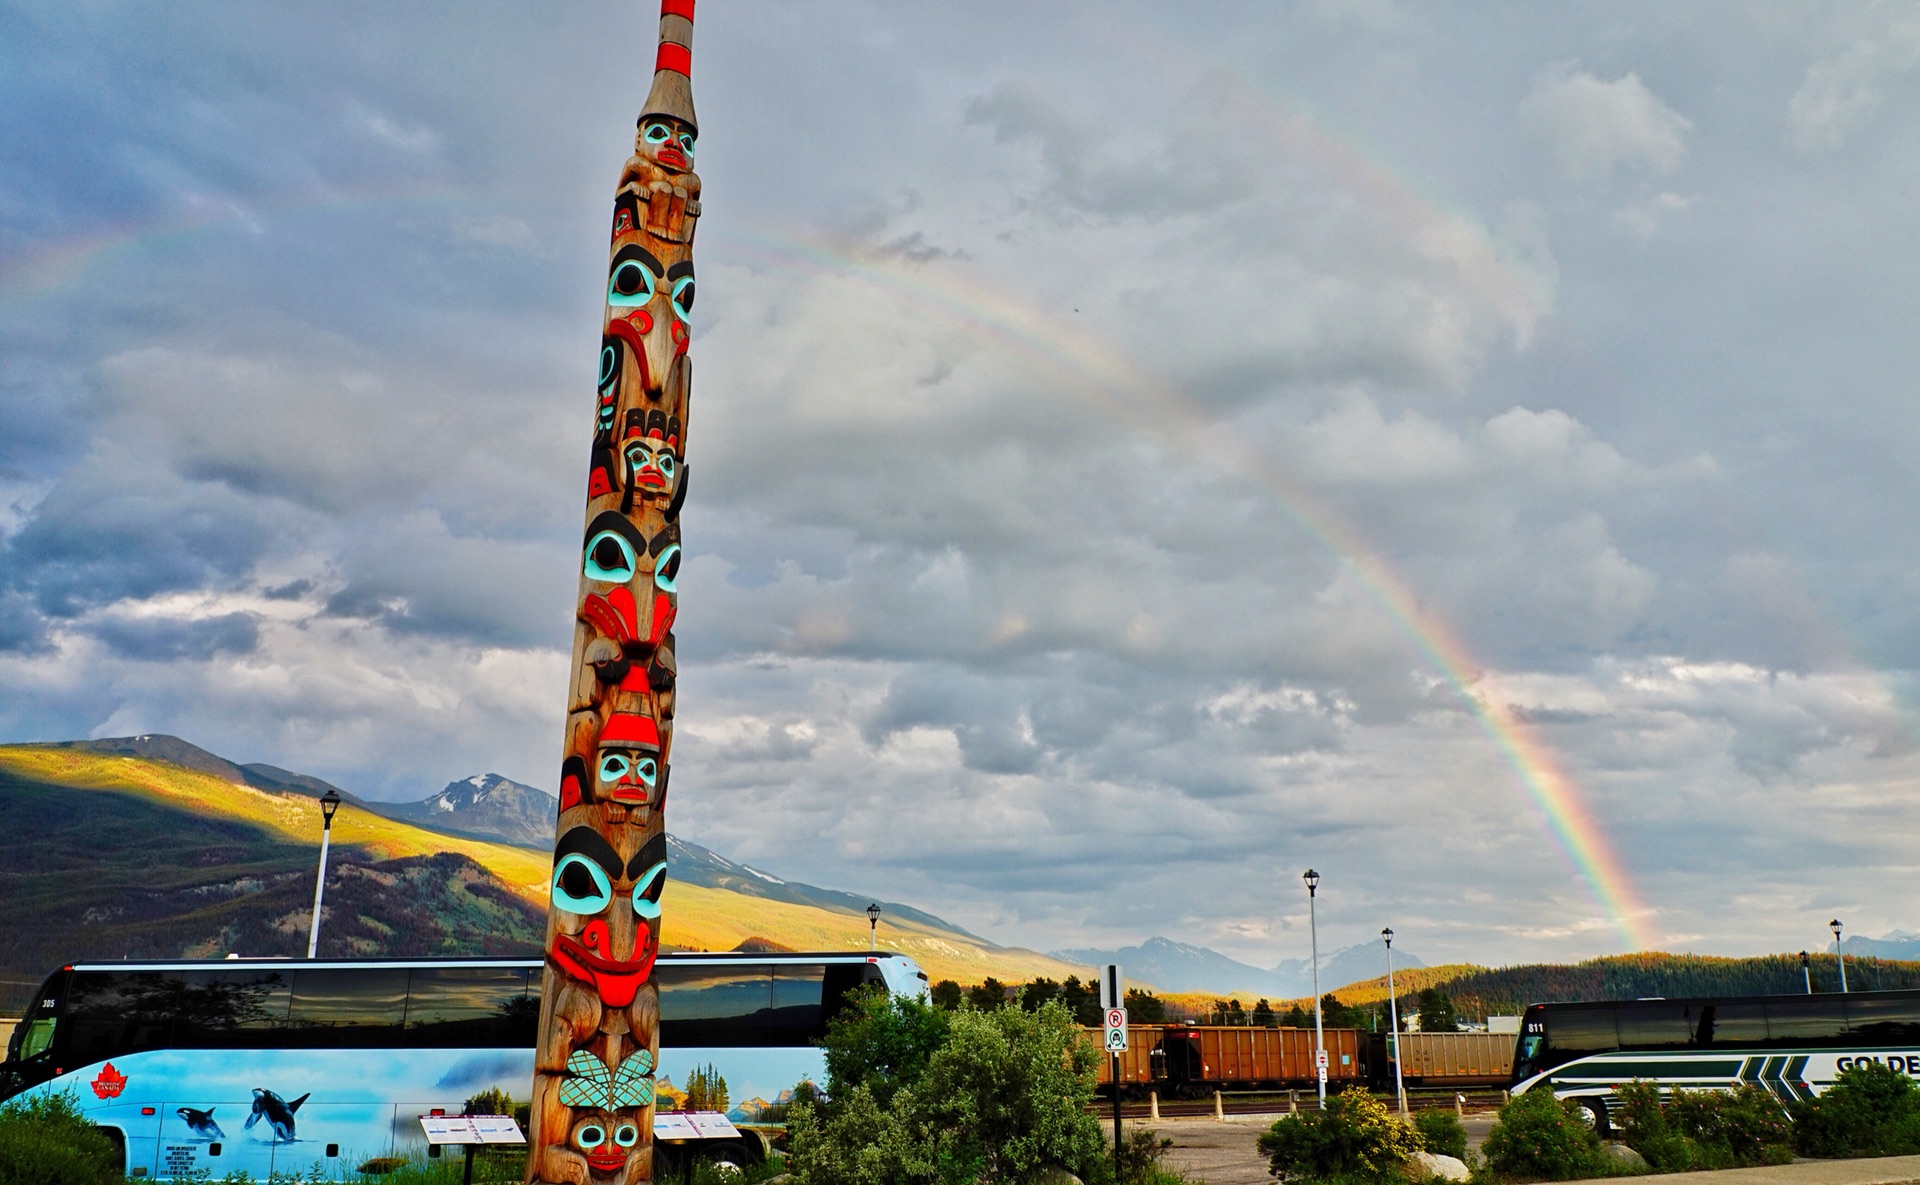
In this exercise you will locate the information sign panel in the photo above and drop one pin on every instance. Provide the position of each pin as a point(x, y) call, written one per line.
point(471, 1129)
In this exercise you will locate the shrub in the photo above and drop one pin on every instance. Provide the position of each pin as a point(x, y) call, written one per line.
point(1140, 1160)
point(1541, 1138)
point(972, 1096)
point(1354, 1139)
point(1704, 1129)
point(45, 1140)
point(1441, 1133)
point(1871, 1110)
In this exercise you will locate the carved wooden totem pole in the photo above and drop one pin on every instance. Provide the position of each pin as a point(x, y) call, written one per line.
point(592, 1120)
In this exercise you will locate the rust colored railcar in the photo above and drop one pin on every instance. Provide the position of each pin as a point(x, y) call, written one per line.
point(1183, 1061)
point(1456, 1059)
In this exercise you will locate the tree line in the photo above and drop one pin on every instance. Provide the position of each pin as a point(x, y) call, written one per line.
point(1435, 1008)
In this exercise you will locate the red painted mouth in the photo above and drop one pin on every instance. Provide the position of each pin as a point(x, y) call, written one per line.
point(605, 1163)
point(618, 982)
point(651, 477)
point(634, 793)
point(667, 154)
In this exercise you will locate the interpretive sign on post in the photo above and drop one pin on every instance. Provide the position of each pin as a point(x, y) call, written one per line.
point(471, 1129)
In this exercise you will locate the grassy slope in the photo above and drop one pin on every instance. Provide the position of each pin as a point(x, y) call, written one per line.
point(696, 918)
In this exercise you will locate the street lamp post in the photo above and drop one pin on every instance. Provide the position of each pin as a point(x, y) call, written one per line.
point(329, 803)
point(1319, 1037)
point(1839, 954)
point(1806, 969)
point(873, 926)
point(1393, 1025)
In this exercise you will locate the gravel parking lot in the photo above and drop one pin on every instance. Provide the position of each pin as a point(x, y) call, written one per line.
point(1222, 1152)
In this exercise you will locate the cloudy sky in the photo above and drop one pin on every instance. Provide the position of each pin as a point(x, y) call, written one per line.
point(1138, 451)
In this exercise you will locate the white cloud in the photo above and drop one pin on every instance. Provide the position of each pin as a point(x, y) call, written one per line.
point(1590, 126)
point(1842, 91)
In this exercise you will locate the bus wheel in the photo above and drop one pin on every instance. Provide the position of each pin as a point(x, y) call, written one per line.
point(1594, 1111)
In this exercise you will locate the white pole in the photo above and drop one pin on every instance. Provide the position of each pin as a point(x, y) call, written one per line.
point(1840, 953)
point(319, 890)
point(1393, 1029)
point(1319, 1039)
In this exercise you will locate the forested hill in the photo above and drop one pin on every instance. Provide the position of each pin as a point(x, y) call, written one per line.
point(1482, 991)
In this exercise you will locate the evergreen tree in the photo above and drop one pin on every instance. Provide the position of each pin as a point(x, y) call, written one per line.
point(1037, 993)
point(1145, 1008)
point(990, 994)
point(1436, 1012)
point(1263, 1014)
point(947, 994)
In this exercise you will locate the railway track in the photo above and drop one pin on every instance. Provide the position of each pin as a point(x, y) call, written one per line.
point(1269, 1104)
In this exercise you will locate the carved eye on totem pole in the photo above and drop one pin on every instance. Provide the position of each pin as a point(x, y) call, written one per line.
point(668, 143)
point(635, 613)
point(608, 933)
point(648, 303)
point(605, 1140)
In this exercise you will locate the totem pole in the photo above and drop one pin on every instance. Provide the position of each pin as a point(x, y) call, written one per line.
point(592, 1121)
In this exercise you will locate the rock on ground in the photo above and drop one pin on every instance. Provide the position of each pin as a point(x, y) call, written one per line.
point(1626, 1158)
point(1448, 1168)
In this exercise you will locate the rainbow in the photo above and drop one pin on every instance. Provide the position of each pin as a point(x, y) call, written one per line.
point(1123, 388)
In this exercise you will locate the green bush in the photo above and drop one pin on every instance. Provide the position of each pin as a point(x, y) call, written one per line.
point(1541, 1138)
point(1870, 1110)
point(1354, 1139)
point(1704, 1129)
point(1441, 1133)
point(1140, 1160)
point(987, 1097)
point(45, 1140)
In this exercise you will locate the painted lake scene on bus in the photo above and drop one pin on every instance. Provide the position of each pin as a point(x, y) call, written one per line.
point(1165, 481)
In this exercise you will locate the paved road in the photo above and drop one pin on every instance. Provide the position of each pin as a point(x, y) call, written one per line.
point(1222, 1152)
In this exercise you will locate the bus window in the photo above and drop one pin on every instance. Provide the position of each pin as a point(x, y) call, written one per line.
point(347, 1006)
point(1893, 1018)
point(1727, 1026)
point(1805, 1020)
point(797, 997)
point(1652, 1026)
point(480, 1007)
point(1586, 1029)
point(714, 1005)
point(110, 1013)
point(1526, 1056)
point(230, 1009)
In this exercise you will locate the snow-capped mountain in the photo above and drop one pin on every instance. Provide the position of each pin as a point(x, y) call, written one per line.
point(486, 806)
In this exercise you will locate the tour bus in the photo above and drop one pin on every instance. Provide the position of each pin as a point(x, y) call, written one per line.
point(279, 1066)
point(1791, 1046)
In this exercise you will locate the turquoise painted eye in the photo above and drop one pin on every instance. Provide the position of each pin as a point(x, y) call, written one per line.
point(664, 463)
point(613, 767)
point(646, 895)
point(610, 558)
point(657, 133)
point(626, 1135)
point(647, 769)
point(686, 143)
point(683, 297)
point(580, 885)
point(630, 285)
point(589, 1135)
point(667, 568)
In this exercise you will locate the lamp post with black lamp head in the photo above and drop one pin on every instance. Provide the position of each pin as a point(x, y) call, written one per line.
point(1839, 954)
point(873, 926)
point(1312, 879)
point(329, 803)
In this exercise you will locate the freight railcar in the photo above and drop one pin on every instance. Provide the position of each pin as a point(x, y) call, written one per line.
point(1454, 1059)
point(1190, 1061)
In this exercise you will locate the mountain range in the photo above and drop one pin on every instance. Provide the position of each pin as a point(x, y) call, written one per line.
point(1178, 967)
point(150, 847)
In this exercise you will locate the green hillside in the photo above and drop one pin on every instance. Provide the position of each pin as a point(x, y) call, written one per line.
point(1482, 991)
point(114, 856)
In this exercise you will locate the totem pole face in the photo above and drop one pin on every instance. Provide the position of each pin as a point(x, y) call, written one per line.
point(593, 1086)
point(609, 903)
point(667, 142)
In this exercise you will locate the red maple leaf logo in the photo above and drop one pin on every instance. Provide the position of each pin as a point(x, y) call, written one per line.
point(110, 1083)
